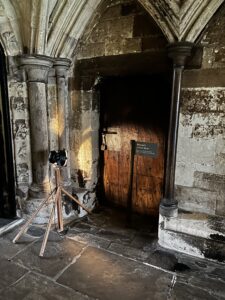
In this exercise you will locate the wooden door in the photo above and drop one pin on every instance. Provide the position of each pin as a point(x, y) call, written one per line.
point(133, 109)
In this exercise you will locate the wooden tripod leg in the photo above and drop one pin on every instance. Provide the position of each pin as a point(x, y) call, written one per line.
point(25, 226)
point(47, 231)
point(74, 199)
point(59, 209)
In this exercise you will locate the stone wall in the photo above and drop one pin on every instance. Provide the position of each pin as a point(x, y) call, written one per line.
point(120, 27)
point(200, 172)
point(21, 133)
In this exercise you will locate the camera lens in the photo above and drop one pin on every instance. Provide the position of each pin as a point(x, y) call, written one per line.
point(58, 158)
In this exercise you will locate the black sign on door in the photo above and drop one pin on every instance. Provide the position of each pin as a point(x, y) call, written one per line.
point(146, 149)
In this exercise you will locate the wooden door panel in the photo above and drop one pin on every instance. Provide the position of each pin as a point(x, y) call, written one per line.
point(126, 111)
point(110, 175)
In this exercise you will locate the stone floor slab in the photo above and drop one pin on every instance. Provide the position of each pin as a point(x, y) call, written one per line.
point(83, 227)
point(89, 239)
point(58, 254)
point(145, 242)
point(129, 251)
point(189, 292)
point(8, 249)
point(35, 287)
point(97, 259)
point(113, 236)
point(210, 285)
point(10, 273)
point(103, 275)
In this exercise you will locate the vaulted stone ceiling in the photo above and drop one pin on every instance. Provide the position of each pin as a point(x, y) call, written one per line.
point(53, 27)
point(181, 19)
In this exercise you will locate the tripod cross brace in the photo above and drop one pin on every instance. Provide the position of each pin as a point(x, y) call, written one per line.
point(57, 202)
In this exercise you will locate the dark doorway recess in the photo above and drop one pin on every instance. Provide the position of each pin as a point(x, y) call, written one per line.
point(7, 187)
point(133, 108)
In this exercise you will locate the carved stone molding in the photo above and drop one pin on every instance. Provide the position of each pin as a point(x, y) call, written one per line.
point(36, 67)
point(181, 20)
point(61, 66)
point(56, 28)
point(179, 52)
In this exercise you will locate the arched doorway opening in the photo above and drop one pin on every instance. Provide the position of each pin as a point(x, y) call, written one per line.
point(122, 78)
point(7, 187)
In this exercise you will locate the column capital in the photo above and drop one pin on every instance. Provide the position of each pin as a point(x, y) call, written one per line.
point(36, 67)
point(179, 51)
point(61, 66)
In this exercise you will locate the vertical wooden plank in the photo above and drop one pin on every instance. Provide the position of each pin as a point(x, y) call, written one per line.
point(150, 173)
point(111, 182)
point(125, 108)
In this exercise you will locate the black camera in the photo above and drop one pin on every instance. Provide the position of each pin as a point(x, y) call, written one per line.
point(58, 158)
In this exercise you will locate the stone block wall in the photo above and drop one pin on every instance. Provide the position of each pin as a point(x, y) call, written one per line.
point(121, 27)
point(200, 172)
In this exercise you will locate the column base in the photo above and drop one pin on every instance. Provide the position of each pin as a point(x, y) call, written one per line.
point(39, 190)
point(168, 208)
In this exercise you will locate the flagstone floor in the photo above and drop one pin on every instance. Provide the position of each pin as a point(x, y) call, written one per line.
point(103, 256)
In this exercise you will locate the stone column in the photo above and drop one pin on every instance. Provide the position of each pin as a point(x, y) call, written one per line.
point(37, 68)
point(52, 107)
point(61, 66)
point(178, 52)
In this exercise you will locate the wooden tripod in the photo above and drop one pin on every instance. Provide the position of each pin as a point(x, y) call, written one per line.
point(57, 203)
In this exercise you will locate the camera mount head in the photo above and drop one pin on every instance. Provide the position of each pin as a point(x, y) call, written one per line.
point(58, 158)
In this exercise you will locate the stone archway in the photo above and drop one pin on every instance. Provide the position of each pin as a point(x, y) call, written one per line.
point(129, 43)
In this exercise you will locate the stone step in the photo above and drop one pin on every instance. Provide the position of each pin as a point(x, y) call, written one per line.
point(8, 226)
point(195, 234)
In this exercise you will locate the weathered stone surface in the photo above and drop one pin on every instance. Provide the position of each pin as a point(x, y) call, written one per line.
point(34, 286)
point(9, 250)
point(209, 181)
point(204, 78)
point(19, 110)
point(216, 288)
point(52, 113)
point(131, 273)
point(189, 292)
point(113, 12)
point(214, 40)
point(123, 46)
point(200, 170)
point(111, 277)
point(196, 199)
point(183, 28)
point(90, 239)
point(129, 251)
point(199, 242)
point(203, 100)
point(115, 236)
point(59, 253)
point(83, 227)
point(92, 50)
point(163, 259)
point(128, 30)
point(10, 273)
point(145, 242)
point(180, 242)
